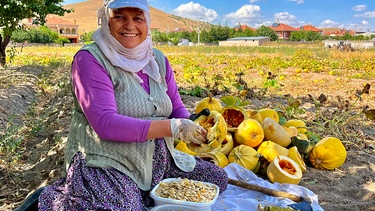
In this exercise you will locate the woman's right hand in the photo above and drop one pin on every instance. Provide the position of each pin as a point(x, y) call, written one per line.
point(188, 131)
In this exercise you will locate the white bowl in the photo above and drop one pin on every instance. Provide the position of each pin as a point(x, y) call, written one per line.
point(182, 205)
point(174, 207)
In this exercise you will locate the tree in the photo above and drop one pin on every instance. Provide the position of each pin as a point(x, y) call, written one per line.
point(43, 34)
point(87, 37)
point(268, 32)
point(13, 12)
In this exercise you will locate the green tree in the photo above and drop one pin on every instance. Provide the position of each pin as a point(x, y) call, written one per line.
point(305, 35)
point(297, 36)
point(13, 12)
point(268, 32)
point(87, 37)
point(20, 36)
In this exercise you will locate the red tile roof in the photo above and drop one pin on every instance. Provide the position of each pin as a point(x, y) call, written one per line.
point(310, 28)
point(54, 20)
point(282, 27)
point(340, 32)
point(243, 27)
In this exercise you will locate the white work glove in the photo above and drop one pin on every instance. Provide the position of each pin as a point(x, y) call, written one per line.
point(188, 131)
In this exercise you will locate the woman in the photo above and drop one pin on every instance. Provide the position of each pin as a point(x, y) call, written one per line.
point(127, 115)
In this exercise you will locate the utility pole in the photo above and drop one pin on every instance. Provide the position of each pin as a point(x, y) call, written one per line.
point(199, 30)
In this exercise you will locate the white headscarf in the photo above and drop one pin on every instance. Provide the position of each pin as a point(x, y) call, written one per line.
point(132, 60)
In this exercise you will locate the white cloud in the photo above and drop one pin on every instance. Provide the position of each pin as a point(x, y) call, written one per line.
point(252, 1)
point(298, 1)
point(360, 7)
point(366, 15)
point(286, 18)
point(248, 14)
point(330, 24)
point(364, 22)
point(195, 11)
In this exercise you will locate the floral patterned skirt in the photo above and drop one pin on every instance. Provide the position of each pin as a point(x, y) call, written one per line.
point(90, 188)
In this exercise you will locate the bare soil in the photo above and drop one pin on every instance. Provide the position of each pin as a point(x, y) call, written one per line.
point(42, 118)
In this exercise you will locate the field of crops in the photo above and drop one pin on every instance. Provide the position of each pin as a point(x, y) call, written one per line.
point(325, 88)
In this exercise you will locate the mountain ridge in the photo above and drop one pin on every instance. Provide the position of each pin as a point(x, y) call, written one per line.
point(85, 15)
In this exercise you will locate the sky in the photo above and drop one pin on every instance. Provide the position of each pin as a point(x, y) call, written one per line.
point(357, 15)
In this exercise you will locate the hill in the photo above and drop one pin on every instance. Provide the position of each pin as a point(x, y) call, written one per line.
point(85, 15)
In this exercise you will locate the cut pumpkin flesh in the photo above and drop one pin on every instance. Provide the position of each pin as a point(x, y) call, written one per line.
point(284, 170)
point(215, 126)
point(233, 116)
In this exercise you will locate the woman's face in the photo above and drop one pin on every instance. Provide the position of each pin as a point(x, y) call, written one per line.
point(128, 26)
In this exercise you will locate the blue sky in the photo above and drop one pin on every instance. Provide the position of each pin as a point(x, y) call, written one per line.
point(347, 14)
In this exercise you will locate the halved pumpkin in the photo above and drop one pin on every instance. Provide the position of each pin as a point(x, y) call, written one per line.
point(233, 116)
point(215, 125)
point(227, 144)
point(284, 170)
point(216, 157)
point(296, 156)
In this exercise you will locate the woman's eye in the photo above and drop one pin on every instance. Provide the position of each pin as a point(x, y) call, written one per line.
point(118, 17)
point(138, 19)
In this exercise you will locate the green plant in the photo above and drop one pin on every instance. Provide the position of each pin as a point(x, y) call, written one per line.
point(197, 91)
point(11, 139)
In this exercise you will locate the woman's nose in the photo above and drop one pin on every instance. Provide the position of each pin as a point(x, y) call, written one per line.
point(127, 24)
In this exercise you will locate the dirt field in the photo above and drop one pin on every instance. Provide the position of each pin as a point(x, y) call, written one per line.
point(40, 156)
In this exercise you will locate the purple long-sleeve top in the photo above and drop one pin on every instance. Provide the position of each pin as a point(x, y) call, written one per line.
point(95, 94)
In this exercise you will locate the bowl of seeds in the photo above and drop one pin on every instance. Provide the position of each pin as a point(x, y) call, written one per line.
point(186, 193)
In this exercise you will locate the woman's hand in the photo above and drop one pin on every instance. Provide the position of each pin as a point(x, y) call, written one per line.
point(188, 131)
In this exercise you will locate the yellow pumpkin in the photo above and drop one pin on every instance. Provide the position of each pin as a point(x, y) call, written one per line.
point(273, 131)
point(253, 114)
point(297, 123)
point(284, 170)
point(209, 102)
point(245, 156)
point(329, 153)
point(249, 132)
point(269, 150)
point(292, 131)
point(269, 112)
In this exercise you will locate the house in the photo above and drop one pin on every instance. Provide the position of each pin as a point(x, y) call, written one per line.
point(340, 32)
point(283, 31)
point(244, 41)
point(243, 27)
point(311, 28)
point(64, 28)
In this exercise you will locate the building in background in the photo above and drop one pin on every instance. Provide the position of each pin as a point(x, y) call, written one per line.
point(245, 41)
point(64, 28)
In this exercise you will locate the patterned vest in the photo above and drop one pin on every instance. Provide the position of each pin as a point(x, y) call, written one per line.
point(133, 159)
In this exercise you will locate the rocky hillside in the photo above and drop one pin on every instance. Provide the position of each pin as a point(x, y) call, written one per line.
point(85, 15)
